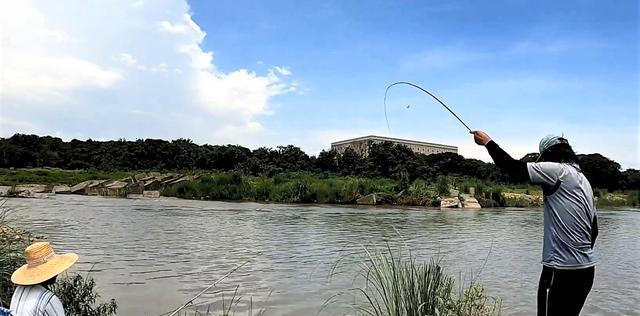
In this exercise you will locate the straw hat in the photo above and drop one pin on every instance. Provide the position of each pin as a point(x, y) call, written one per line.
point(42, 264)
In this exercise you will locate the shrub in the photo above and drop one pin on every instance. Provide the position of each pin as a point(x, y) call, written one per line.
point(12, 245)
point(78, 296)
point(442, 185)
point(398, 285)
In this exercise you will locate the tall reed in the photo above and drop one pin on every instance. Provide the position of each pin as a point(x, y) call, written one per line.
point(397, 284)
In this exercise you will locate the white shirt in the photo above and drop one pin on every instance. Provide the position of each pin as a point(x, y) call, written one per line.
point(35, 300)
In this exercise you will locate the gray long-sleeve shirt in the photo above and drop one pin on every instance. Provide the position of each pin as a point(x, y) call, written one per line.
point(569, 213)
point(570, 222)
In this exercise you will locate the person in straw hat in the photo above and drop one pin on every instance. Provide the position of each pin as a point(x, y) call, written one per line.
point(33, 295)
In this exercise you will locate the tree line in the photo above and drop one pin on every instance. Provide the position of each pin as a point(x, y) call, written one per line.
point(386, 160)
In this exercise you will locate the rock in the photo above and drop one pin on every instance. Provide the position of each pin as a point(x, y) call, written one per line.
point(61, 189)
point(450, 202)
point(81, 187)
point(34, 195)
point(524, 200)
point(468, 201)
point(151, 194)
point(34, 188)
point(5, 191)
point(370, 199)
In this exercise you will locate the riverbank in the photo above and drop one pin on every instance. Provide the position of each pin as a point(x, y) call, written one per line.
point(295, 187)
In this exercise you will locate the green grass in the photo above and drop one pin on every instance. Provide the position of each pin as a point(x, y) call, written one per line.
point(397, 284)
point(13, 242)
point(56, 176)
point(284, 188)
point(304, 187)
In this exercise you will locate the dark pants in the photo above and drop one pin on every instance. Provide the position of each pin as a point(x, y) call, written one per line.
point(563, 292)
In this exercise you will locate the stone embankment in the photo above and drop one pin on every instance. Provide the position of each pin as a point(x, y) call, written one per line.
point(457, 200)
point(144, 184)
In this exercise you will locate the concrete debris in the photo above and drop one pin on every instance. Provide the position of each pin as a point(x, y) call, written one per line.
point(370, 199)
point(468, 201)
point(61, 189)
point(151, 194)
point(450, 202)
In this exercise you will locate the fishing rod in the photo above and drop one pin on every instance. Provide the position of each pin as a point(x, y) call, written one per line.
point(207, 288)
point(423, 90)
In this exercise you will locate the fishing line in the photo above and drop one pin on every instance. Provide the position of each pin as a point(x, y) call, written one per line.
point(423, 90)
point(176, 311)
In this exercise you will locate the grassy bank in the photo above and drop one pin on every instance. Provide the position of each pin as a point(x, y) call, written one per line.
point(53, 176)
point(305, 187)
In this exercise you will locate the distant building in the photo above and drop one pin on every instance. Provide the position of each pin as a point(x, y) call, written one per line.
point(361, 145)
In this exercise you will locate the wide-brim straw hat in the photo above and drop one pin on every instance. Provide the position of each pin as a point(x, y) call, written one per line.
point(42, 264)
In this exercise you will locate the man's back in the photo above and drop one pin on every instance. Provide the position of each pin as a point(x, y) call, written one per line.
point(35, 300)
point(569, 212)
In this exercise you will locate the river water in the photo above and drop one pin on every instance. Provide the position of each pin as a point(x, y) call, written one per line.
point(152, 255)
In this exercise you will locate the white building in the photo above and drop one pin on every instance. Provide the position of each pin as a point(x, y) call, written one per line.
point(361, 145)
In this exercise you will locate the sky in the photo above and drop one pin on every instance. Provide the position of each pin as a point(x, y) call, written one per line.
point(308, 73)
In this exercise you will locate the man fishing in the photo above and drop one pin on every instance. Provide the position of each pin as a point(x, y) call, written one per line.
point(570, 222)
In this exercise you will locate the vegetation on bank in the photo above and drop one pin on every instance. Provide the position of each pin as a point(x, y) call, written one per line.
point(55, 176)
point(309, 188)
point(287, 174)
point(384, 160)
point(393, 283)
point(306, 187)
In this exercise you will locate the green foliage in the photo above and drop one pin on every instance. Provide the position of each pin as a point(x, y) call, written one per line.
point(601, 171)
point(629, 198)
point(12, 245)
point(419, 193)
point(78, 296)
point(384, 159)
point(395, 284)
point(443, 185)
point(633, 198)
point(56, 176)
point(285, 188)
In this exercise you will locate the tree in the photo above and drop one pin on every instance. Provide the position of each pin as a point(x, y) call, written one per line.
point(350, 162)
point(630, 180)
point(601, 171)
point(327, 161)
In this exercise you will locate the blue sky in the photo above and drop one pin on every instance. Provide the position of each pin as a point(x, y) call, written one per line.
point(311, 72)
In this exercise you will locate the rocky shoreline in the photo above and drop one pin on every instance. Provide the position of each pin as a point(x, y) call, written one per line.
point(146, 184)
point(151, 184)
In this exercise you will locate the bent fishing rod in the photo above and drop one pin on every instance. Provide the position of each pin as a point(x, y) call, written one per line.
point(206, 289)
point(425, 91)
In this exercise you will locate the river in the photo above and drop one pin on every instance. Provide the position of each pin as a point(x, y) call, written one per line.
point(152, 255)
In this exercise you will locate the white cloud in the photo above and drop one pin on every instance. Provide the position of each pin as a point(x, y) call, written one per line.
point(32, 70)
point(41, 77)
point(145, 75)
point(282, 70)
point(127, 59)
point(173, 28)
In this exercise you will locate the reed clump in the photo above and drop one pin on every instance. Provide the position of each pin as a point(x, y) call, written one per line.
point(395, 284)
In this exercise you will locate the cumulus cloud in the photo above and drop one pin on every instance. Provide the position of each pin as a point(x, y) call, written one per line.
point(124, 69)
point(33, 71)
